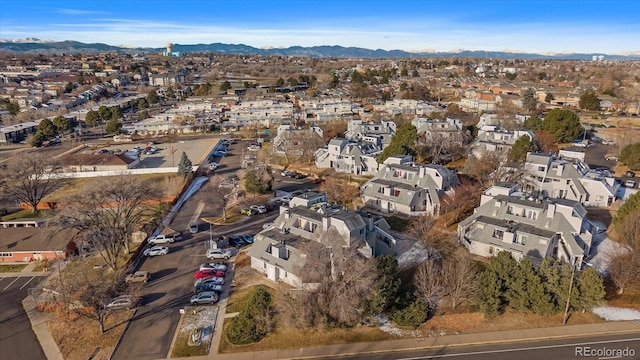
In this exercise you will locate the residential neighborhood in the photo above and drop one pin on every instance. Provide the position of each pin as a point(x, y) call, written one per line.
point(177, 201)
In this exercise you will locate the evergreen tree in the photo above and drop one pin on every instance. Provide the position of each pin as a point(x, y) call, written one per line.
point(563, 124)
point(62, 124)
point(387, 283)
point(630, 156)
point(533, 123)
point(529, 101)
point(539, 300)
point(631, 204)
point(591, 289)
point(491, 290)
point(91, 118)
point(185, 167)
point(520, 148)
point(104, 112)
point(404, 143)
point(152, 97)
point(517, 295)
point(113, 126)
point(46, 128)
point(226, 85)
point(589, 100)
point(549, 98)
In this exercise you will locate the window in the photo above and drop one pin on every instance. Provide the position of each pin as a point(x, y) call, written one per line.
point(6, 254)
point(541, 168)
point(396, 193)
point(498, 234)
point(521, 239)
point(510, 210)
point(361, 231)
point(533, 215)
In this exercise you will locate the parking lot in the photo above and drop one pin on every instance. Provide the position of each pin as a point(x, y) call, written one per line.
point(17, 340)
point(171, 286)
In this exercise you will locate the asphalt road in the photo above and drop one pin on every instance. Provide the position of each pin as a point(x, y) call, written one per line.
point(151, 329)
point(17, 340)
point(564, 349)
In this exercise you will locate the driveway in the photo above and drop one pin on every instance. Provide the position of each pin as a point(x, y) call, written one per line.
point(17, 339)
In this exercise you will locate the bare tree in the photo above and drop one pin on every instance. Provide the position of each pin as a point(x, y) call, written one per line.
point(107, 211)
point(459, 279)
point(624, 267)
point(340, 191)
point(460, 203)
point(428, 282)
point(345, 279)
point(219, 194)
point(31, 177)
point(89, 290)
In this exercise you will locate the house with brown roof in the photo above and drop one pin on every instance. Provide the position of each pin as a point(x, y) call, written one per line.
point(83, 162)
point(26, 240)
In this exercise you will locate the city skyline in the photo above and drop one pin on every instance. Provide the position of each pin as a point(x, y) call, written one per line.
point(516, 26)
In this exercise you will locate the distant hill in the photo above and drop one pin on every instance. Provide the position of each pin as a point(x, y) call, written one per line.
point(38, 46)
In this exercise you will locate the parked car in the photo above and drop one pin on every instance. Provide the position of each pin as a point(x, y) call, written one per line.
point(630, 184)
point(286, 173)
point(630, 174)
point(236, 241)
point(121, 302)
point(207, 287)
point(268, 207)
point(611, 157)
point(208, 273)
point(214, 266)
point(156, 251)
point(193, 227)
point(219, 154)
point(259, 209)
point(248, 239)
point(299, 176)
point(213, 166)
point(209, 280)
point(163, 239)
point(316, 181)
point(218, 254)
point(206, 297)
point(248, 211)
point(138, 276)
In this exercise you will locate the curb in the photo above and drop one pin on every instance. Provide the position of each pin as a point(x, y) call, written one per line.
point(175, 336)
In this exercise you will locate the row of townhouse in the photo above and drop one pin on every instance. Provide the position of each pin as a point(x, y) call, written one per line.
point(528, 226)
point(310, 227)
point(259, 113)
point(495, 139)
point(404, 187)
point(346, 156)
point(407, 107)
point(377, 132)
point(569, 179)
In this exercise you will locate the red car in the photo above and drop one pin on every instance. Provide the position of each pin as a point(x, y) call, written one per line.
point(207, 273)
point(316, 181)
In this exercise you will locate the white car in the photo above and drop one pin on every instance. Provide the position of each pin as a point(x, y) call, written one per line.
point(163, 239)
point(260, 209)
point(121, 302)
point(213, 166)
point(218, 254)
point(214, 266)
point(156, 251)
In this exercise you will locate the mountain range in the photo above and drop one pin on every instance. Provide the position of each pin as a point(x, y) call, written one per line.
point(37, 46)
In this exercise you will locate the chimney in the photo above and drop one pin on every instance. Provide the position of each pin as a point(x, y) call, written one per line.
point(326, 222)
point(551, 210)
point(560, 169)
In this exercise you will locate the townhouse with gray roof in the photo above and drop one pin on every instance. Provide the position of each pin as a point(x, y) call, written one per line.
point(527, 226)
point(345, 156)
point(404, 187)
point(569, 178)
point(281, 252)
point(497, 139)
point(379, 133)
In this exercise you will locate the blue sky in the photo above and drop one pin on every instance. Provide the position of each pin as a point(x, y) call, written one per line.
point(530, 26)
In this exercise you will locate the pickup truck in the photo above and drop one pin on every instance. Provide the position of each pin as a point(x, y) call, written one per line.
point(163, 239)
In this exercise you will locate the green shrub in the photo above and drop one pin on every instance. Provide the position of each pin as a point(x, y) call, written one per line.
point(413, 315)
point(242, 330)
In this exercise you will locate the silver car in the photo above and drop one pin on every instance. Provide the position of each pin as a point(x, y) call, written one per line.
point(205, 297)
point(156, 251)
point(214, 266)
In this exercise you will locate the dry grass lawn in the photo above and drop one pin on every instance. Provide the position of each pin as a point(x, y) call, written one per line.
point(77, 337)
point(466, 323)
point(293, 338)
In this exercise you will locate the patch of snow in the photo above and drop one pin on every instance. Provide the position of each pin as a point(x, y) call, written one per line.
point(602, 253)
point(415, 254)
point(616, 314)
point(204, 316)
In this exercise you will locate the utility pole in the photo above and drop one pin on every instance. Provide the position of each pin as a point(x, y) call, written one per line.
point(566, 309)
